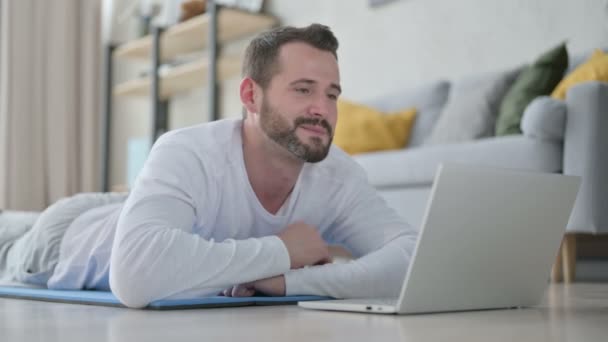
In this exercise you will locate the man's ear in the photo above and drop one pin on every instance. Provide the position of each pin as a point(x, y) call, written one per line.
point(248, 91)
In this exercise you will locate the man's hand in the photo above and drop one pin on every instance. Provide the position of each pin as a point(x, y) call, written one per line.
point(274, 286)
point(305, 245)
point(241, 290)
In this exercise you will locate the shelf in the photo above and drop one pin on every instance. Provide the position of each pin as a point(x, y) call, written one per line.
point(191, 35)
point(181, 78)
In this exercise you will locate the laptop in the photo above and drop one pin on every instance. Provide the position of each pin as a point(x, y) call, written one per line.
point(488, 240)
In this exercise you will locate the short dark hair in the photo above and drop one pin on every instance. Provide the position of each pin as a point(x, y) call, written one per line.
point(260, 57)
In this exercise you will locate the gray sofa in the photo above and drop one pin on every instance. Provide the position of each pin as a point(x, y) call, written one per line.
point(558, 137)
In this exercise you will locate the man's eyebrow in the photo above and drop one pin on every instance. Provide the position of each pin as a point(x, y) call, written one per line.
point(337, 87)
point(303, 80)
point(309, 81)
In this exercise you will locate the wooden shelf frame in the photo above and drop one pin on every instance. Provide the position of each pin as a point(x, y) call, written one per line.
point(191, 35)
point(219, 25)
point(181, 78)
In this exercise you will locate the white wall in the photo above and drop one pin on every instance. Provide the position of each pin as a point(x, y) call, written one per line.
point(398, 45)
point(407, 42)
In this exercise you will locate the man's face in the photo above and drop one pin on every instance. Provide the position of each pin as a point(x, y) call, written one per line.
point(299, 110)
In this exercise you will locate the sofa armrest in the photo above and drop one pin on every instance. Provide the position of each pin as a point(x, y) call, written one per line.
point(586, 154)
point(545, 119)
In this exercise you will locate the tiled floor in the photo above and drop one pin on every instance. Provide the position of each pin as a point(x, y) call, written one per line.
point(568, 313)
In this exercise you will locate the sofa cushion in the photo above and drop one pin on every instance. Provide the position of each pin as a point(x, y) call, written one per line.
point(577, 59)
point(363, 129)
point(545, 119)
point(428, 100)
point(416, 167)
point(472, 106)
point(536, 80)
point(595, 69)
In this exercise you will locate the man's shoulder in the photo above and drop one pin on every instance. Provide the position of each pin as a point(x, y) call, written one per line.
point(208, 145)
point(208, 138)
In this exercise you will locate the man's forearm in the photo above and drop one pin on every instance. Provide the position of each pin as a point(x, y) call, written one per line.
point(188, 264)
point(378, 274)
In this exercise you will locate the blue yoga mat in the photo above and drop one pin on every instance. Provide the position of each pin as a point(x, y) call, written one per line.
point(108, 299)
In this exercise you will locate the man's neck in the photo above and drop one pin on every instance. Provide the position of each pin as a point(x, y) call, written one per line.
point(271, 170)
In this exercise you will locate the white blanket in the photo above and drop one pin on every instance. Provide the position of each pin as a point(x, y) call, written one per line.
point(13, 225)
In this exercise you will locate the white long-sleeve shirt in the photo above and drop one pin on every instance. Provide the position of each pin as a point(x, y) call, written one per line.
point(193, 226)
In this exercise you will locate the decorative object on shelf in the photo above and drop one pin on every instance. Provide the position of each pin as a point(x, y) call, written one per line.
point(254, 6)
point(143, 11)
point(147, 12)
point(192, 8)
point(170, 13)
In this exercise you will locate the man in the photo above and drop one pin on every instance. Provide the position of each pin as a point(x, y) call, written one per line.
point(238, 206)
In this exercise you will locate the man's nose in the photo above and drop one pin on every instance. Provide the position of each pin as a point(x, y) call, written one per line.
point(321, 107)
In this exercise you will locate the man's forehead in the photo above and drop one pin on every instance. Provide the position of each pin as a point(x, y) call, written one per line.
point(302, 61)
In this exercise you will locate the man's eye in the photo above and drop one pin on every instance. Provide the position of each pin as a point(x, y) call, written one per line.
point(303, 90)
point(332, 96)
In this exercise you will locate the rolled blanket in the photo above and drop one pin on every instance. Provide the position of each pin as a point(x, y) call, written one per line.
point(13, 225)
point(31, 253)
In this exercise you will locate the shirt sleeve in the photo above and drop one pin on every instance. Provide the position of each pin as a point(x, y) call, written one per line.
point(155, 253)
point(380, 240)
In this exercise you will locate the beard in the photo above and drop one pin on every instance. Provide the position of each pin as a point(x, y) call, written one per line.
point(278, 129)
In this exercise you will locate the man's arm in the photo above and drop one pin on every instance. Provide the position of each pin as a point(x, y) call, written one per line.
point(339, 280)
point(155, 253)
point(381, 242)
point(379, 274)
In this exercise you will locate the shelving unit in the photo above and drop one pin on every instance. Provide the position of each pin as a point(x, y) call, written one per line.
point(207, 31)
point(191, 35)
point(180, 78)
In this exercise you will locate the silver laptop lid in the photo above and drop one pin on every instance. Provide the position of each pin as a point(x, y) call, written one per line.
point(488, 239)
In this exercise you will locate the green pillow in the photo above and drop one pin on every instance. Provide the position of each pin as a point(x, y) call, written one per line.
point(535, 80)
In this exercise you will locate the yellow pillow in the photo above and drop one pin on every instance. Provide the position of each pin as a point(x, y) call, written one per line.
point(594, 69)
point(363, 129)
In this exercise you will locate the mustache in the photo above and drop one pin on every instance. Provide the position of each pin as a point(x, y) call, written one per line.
point(314, 122)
